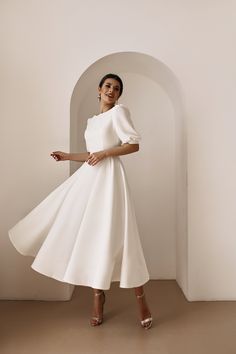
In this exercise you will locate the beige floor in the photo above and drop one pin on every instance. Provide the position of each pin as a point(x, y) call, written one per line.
point(180, 327)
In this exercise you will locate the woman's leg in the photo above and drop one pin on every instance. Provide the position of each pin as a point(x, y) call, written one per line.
point(143, 306)
point(97, 314)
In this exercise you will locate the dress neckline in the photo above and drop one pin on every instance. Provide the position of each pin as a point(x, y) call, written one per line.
point(96, 115)
point(109, 110)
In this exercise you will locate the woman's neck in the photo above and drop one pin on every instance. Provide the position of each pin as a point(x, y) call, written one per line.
point(105, 107)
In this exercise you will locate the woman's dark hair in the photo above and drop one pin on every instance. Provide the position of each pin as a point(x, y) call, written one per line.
point(112, 76)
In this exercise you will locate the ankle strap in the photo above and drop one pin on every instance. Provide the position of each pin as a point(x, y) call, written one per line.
point(101, 292)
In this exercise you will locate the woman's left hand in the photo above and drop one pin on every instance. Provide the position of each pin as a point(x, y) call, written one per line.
point(95, 157)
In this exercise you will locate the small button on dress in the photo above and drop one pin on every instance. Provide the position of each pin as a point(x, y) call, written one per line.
point(85, 231)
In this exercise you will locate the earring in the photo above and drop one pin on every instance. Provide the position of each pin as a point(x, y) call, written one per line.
point(99, 97)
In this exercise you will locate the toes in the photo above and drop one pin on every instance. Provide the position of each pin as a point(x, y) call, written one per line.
point(148, 325)
point(95, 321)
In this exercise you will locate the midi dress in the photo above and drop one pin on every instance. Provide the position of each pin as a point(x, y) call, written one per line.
point(85, 231)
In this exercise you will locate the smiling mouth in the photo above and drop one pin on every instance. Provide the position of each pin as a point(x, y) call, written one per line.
point(109, 96)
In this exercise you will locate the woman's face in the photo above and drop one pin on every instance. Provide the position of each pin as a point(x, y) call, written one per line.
point(110, 91)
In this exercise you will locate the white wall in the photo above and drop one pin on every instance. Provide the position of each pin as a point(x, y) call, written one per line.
point(46, 46)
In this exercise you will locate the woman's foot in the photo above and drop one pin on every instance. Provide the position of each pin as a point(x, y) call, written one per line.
point(146, 317)
point(99, 300)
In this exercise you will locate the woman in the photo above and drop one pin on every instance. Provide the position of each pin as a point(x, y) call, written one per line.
point(85, 231)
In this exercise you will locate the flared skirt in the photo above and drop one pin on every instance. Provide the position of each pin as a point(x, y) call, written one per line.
point(85, 231)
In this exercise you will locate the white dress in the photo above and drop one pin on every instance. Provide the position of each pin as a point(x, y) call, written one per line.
point(85, 231)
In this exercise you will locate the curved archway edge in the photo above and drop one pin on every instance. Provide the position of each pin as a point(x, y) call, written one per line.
point(154, 69)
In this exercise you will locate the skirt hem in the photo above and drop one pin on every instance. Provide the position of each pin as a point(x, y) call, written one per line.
point(93, 285)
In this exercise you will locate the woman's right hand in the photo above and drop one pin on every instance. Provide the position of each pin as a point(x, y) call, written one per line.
point(60, 155)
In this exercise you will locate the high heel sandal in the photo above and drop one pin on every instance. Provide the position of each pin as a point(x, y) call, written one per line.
point(147, 320)
point(98, 320)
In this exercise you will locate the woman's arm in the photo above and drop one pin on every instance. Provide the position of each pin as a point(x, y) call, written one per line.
point(123, 149)
point(80, 157)
point(63, 156)
point(95, 157)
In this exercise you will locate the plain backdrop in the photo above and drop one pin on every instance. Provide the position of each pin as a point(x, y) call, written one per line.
point(46, 47)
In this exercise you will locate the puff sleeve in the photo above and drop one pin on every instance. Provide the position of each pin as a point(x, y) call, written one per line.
point(124, 126)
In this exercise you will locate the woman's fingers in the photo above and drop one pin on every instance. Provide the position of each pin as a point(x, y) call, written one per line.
point(58, 155)
point(55, 156)
point(93, 159)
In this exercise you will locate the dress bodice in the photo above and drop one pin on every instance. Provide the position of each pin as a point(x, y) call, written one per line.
point(109, 129)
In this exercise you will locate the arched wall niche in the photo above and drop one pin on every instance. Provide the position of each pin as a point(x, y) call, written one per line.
point(158, 173)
